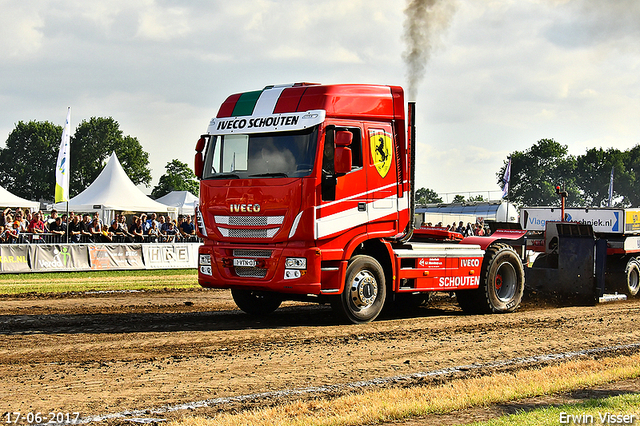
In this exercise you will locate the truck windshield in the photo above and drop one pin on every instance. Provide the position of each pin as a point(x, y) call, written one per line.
point(283, 154)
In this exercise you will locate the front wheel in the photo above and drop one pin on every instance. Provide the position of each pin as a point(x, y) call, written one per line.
point(501, 286)
point(258, 303)
point(364, 291)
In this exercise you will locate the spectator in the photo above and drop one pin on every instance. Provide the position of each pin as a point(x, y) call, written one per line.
point(186, 227)
point(144, 223)
point(85, 226)
point(75, 229)
point(136, 229)
point(98, 234)
point(58, 228)
point(51, 220)
point(153, 232)
point(172, 233)
point(12, 234)
point(162, 224)
point(114, 230)
point(20, 217)
point(37, 226)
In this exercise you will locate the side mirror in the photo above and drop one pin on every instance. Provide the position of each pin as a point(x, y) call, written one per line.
point(200, 144)
point(198, 165)
point(343, 159)
point(343, 156)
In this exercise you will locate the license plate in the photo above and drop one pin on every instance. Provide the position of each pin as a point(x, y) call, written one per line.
point(248, 263)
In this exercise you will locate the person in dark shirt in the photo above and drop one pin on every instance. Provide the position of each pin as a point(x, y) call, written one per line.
point(75, 230)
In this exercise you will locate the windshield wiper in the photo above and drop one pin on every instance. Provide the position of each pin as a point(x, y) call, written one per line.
point(275, 174)
point(225, 176)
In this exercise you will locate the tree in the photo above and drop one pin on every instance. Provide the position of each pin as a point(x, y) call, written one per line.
point(476, 199)
point(28, 160)
point(427, 196)
point(594, 174)
point(91, 145)
point(179, 177)
point(535, 173)
point(458, 199)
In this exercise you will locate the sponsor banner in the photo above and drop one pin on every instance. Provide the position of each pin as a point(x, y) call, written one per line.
point(115, 256)
point(632, 221)
point(168, 256)
point(267, 123)
point(58, 257)
point(602, 220)
point(14, 258)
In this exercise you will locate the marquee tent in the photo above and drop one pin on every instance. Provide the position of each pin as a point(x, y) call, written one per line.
point(184, 201)
point(7, 199)
point(111, 192)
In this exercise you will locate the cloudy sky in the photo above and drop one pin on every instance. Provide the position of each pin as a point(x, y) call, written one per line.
point(502, 74)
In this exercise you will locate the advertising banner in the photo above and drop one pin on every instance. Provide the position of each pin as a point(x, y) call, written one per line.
point(603, 220)
point(168, 256)
point(58, 257)
point(14, 258)
point(115, 256)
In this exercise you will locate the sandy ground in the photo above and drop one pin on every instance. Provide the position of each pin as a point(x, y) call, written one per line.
point(96, 354)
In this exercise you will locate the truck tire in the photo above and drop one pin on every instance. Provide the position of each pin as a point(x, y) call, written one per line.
point(632, 278)
point(364, 291)
point(257, 303)
point(501, 283)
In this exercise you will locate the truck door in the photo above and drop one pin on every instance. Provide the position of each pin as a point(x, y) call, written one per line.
point(382, 179)
point(342, 208)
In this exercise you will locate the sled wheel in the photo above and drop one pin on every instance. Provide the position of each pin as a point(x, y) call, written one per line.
point(364, 292)
point(632, 274)
point(258, 303)
point(501, 283)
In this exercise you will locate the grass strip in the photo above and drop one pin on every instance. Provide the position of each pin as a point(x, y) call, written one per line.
point(621, 409)
point(385, 405)
point(63, 282)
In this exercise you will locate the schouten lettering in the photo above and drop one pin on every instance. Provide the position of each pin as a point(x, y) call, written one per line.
point(244, 208)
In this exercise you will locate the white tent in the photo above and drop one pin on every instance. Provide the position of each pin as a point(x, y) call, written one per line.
point(7, 199)
point(112, 191)
point(184, 201)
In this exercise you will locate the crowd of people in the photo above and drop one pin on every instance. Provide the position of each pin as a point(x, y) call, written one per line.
point(23, 226)
point(467, 230)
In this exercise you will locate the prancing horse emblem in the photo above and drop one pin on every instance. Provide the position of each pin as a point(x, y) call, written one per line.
point(381, 151)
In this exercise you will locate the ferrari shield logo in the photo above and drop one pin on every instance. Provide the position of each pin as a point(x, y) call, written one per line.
point(381, 151)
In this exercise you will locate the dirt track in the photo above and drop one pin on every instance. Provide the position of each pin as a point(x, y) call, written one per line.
point(106, 353)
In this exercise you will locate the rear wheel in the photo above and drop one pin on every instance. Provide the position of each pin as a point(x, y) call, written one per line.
point(632, 275)
point(501, 284)
point(364, 292)
point(258, 303)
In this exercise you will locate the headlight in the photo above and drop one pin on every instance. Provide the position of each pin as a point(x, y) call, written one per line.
point(295, 263)
point(205, 259)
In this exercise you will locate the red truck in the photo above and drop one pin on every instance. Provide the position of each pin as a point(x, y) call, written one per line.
point(306, 193)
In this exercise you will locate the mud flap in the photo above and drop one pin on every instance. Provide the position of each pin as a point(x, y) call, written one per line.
point(572, 267)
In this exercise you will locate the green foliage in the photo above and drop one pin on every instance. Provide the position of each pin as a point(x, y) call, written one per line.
point(179, 177)
point(427, 196)
point(93, 143)
point(458, 199)
point(27, 163)
point(535, 173)
point(476, 199)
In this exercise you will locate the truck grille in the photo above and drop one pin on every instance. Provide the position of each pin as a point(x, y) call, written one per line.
point(248, 233)
point(252, 253)
point(242, 271)
point(250, 223)
point(249, 220)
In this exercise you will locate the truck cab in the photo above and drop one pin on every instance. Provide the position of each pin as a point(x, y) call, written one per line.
point(306, 194)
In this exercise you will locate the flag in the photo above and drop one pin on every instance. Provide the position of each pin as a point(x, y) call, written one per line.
point(610, 188)
point(62, 165)
point(506, 178)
